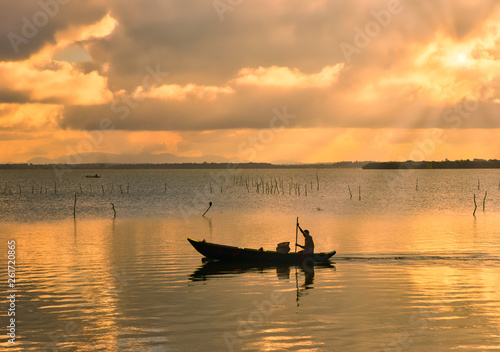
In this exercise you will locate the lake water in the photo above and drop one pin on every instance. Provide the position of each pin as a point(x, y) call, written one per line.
point(414, 269)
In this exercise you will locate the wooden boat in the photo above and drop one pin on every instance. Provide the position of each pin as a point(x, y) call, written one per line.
point(229, 253)
point(93, 176)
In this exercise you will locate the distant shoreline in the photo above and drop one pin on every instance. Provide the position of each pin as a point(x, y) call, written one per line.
point(181, 166)
point(430, 165)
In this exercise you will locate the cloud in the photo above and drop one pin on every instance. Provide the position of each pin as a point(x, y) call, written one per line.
point(182, 92)
point(28, 117)
point(284, 77)
point(57, 82)
point(429, 65)
point(27, 26)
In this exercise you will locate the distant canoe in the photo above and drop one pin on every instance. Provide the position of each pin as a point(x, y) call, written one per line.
point(93, 176)
point(222, 252)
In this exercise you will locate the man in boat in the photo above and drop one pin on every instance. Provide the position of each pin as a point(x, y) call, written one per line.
point(308, 246)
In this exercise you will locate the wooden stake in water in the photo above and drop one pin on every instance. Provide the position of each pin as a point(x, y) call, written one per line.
point(209, 206)
point(359, 192)
point(416, 187)
point(475, 205)
point(317, 179)
point(74, 208)
point(350, 193)
point(114, 211)
point(484, 199)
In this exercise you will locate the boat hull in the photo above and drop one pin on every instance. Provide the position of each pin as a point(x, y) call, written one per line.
point(230, 253)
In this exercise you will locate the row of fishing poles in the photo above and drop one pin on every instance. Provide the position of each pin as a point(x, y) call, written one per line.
point(7, 190)
point(274, 185)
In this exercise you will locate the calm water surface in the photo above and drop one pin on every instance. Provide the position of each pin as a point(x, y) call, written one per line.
point(414, 270)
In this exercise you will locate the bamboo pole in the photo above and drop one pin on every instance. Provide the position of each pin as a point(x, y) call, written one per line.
point(74, 208)
point(484, 199)
point(114, 211)
point(296, 233)
point(350, 193)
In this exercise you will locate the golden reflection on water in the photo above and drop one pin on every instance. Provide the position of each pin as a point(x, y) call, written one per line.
point(70, 280)
point(132, 284)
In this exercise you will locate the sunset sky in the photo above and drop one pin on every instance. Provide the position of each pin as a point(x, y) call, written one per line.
point(262, 81)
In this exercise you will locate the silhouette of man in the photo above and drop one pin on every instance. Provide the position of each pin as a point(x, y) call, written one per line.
point(308, 246)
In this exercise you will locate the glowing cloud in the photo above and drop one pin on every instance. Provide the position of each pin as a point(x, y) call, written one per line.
point(285, 77)
point(56, 82)
point(79, 33)
point(182, 92)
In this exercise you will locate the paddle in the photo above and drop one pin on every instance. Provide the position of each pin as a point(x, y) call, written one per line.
point(209, 206)
point(296, 233)
point(296, 276)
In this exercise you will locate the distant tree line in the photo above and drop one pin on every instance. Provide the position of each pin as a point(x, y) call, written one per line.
point(446, 164)
point(104, 166)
